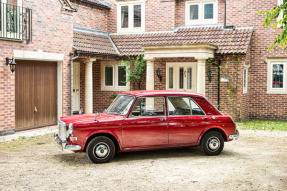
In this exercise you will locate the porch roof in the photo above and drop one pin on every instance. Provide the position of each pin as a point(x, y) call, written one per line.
point(227, 41)
point(93, 42)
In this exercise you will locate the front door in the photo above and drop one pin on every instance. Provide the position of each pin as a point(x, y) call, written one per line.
point(35, 94)
point(76, 87)
point(146, 125)
point(181, 76)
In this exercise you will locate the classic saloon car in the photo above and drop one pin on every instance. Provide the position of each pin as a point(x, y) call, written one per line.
point(139, 120)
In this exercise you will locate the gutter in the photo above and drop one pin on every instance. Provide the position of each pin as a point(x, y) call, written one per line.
point(70, 65)
point(96, 4)
point(102, 54)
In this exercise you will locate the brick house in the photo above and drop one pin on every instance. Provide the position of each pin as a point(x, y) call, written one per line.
point(67, 55)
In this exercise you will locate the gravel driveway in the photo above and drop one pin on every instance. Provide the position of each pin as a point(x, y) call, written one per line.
point(257, 161)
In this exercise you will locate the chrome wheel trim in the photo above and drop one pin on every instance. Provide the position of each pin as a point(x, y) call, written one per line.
point(213, 144)
point(101, 150)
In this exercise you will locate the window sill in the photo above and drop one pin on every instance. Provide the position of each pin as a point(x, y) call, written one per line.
point(131, 30)
point(115, 89)
point(276, 91)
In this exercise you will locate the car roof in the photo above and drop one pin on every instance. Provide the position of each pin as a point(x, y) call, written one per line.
point(161, 93)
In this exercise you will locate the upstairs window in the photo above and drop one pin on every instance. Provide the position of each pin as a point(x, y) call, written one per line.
point(281, 15)
point(201, 12)
point(131, 16)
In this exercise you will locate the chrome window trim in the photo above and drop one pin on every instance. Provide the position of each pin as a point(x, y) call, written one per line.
point(130, 115)
point(190, 105)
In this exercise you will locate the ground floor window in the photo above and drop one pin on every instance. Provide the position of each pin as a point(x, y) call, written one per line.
point(114, 76)
point(181, 76)
point(277, 75)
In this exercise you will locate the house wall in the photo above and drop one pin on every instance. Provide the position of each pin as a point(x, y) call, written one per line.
point(159, 16)
point(101, 99)
point(52, 33)
point(90, 16)
point(261, 104)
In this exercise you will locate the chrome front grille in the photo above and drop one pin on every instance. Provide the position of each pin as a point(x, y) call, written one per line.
point(62, 130)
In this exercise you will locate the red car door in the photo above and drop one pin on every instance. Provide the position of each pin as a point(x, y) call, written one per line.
point(146, 125)
point(186, 120)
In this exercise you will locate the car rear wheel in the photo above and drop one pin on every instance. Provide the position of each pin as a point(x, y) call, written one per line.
point(212, 143)
point(101, 150)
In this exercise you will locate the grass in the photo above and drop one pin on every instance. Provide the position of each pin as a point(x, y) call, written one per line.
point(263, 125)
point(23, 141)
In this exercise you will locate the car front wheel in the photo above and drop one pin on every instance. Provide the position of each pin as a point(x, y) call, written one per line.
point(100, 150)
point(212, 143)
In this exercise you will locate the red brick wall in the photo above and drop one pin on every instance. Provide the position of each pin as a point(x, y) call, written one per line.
point(90, 16)
point(261, 104)
point(52, 32)
point(101, 99)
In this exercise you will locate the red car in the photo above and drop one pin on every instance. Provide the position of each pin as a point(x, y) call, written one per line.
point(142, 120)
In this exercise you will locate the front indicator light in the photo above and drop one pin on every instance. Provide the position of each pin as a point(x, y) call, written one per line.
point(73, 138)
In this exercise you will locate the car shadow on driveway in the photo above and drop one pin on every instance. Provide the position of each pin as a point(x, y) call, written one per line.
point(191, 152)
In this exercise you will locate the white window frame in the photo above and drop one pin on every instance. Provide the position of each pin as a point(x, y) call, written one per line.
point(115, 86)
point(201, 20)
point(131, 28)
point(280, 2)
point(4, 19)
point(270, 63)
point(245, 80)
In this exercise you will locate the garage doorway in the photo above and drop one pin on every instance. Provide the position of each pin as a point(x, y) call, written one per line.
point(35, 94)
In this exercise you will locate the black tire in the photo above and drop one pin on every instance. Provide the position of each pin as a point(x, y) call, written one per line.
point(101, 150)
point(212, 143)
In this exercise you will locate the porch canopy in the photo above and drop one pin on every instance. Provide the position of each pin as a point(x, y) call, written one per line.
point(201, 52)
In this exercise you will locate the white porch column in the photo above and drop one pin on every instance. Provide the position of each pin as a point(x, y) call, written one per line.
point(150, 75)
point(200, 86)
point(89, 86)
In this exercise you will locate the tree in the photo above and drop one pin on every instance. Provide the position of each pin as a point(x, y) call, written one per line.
point(277, 17)
point(135, 69)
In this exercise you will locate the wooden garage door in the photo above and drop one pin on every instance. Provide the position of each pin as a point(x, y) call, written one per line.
point(35, 94)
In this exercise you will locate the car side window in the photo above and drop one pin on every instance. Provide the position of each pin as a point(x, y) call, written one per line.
point(149, 106)
point(179, 105)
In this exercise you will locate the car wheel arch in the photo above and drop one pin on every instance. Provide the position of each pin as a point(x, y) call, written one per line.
point(217, 129)
point(105, 134)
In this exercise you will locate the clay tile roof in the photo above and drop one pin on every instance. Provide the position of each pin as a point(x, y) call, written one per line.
point(228, 41)
point(93, 42)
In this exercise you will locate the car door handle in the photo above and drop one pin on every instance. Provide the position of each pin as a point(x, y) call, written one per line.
point(203, 117)
point(162, 119)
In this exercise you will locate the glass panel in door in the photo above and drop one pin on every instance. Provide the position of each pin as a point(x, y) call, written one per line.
point(170, 78)
point(181, 77)
point(189, 78)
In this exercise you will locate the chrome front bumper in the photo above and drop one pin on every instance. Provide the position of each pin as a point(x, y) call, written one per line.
point(234, 137)
point(65, 145)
